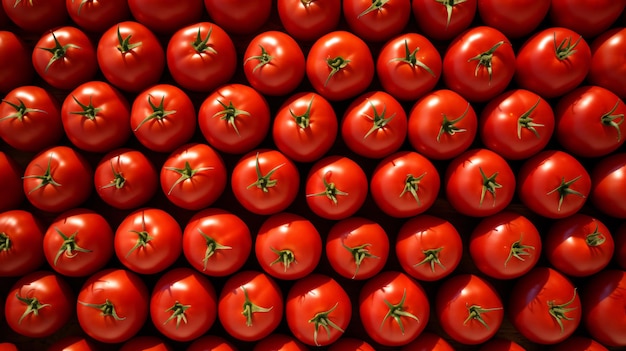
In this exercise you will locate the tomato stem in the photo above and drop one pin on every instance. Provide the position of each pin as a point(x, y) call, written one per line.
point(20, 110)
point(118, 178)
point(475, 313)
point(143, 237)
point(565, 189)
point(449, 4)
point(410, 58)
point(449, 126)
point(489, 185)
point(375, 6)
point(285, 256)
point(359, 253)
point(211, 248)
point(264, 182)
point(158, 112)
point(304, 120)
point(107, 308)
point(201, 45)
point(397, 312)
point(609, 119)
point(485, 60)
point(69, 246)
point(185, 173)
point(595, 238)
point(322, 319)
point(178, 311)
point(250, 308)
point(411, 185)
point(431, 256)
point(331, 191)
point(33, 306)
point(80, 6)
point(17, 2)
point(89, 111)
point(558, 312)
point(566, 48)
point(518, 250)
point(526, 121)
point(58, 51)
point(264, 58)
point(124, 45)
point(336, 64)
point(46, 178)
point(380, 121)
point(5, 242)
point(229, 113)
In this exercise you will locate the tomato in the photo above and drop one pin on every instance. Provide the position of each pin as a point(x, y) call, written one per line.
point(112, 305)
point(183, 304)
point(39, 304)
point(201, 57)
point(279, 342)
point(602, 297)
point(97, 15)
point(250, 306)
point(552, 62)
point(96, 117)
point(7, 346)
point(428, 341)
point(57, 179)
point(608, 59)
point(515, 19)
point(130, 56)
point(15, 58)
point(408, 66)
point(308, 20)
point(553, 184)
point(498, 344)
point(336, 187)
point(21, 238)
point(544, 306)
point(234, 119)
point(479, 183)
point(579, 343)
point(607, 184)
point(469, 309)
point(579, 245)
point(78, 243)
point(443, 20)
point(288, 246)
point(585, 17)
point(620, 246)
point(339, 65)
point(239, 16)
point(505, 245)
point(73, 343)
point(428, 247)
point(318, 310)
point(589, 121)
point(374, 125)
point(394, 308)
point(166, 17)
point(516, 124)
point(211, 343)
point(350, 344)
point(145, 343)
point(36, 16)
point(216, 242)
point(442, 125)
point(357, 248)
point(376, 20)
point(125, 179)
point(10, 183)
point(193, 176)
point(30, 119)
point(163, 118)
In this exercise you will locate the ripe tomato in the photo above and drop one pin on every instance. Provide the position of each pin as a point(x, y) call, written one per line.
point(428, 247)
point(212, 343)
point(7, 346)
point(234, 119)
point(250, 306)
point(308, 20)
point(15, 58)
point(498, 344)
point(469, 309)
point(112, 305)
point(442, 125)
point(579, 343)
point(280, 342)
point(39, 304)
point(428, 341)
point(97, 16)
point(336, 187)
point(96, 117)
point(357, 248)
point(10, 183)
point(378, 20)
point(515, 19)
point(36, 16)
point(201, 57)
point(516, 124)
point(73, 343)
point(57, 179)
point(443, 20)
point(607, 183)
point(585, 17)
point(183, 304)
point(602, 297)
point(30, 119)
point(216, 242)
point(544, 306)
point(288, 246)
point(145, 343)
point(317, 304)
point(193, 176)
point(21, 248)
point(505, 245)
point(608, 59)
point(239, 16)
point(394, 308)
point(339, 65)
point(78, 243)
point(148, 240)
point(166, 17)
point(553, 184)
point(479, 183)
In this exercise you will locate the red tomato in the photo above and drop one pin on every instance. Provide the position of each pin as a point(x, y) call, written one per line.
point(608, 61)
point(579, 343)
point(73, 343)
point(15, 60)
point(130, 56)
point(515, 19)
point(552, 62)
point(442, 125)
point(516, 124)
point(21, 238)
point(469, 309)
point(183, 304)
point(250, 306)
point(336, 187)
point(428, 247)
point(374, 125)
point(408, 66)
point(39, 304)
point(78, 243)
point(589, 18)
point(30, 119)
point(339, 65)
point(428, 341)
point(309, 19)
point(288, 246)
point(602, 299)
point(97, 16)
point(394, 308)
point(216, 242)
point(234, 119)
point(318, 310)
point(553, 184)
point(36, 16)
point(112, 305)
point(607, 185)
point(280, 342)
point(544, 306)
point(357, 248)
point(239, 16)
point(145, 343)
point(376, 20)
point(193, 176)
point(10, 183)
point(211, 343)
point(479, 183)
point(201, 57)
point(350, 344)
point(505, 245)
point(7, 346)
point(148, 240)
point(96, 117)
point(166, 17)
point(57, 179)
point(443, 20)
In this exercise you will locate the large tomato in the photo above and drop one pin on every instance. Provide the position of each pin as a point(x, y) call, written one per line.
point(607, 185)
point(602, 298)
point(589, 18)
point(21, 243)
point(515, 19)
point(239, 16)
point(443, 20)
point(309, 19)
point(376, 20)
point(165, 17)
point(97, 16)
point(10, 183)
point(15, 58)
point(36, 16)
point(608, 61)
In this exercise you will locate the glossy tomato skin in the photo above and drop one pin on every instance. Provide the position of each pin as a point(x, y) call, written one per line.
point(21, 243)
point(608, 61)
point(239, 16)
point(280, 342)
point(165, 17)
point(515, 19)
point(428, 341)
point(15, 58)
point(74, 343)
point(183, 304)
point(97, 16)
point(443, 21)
point(602, 296)
point(211, 343)
point(36, 16)
point(607, 184)
point(376, 22)
point(96, 117)
point(197, 65)
point(10, 183)
point(579, 343)
point(585, 17)
point(309, 20)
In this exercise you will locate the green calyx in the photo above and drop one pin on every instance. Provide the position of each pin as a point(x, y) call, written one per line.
point(565, 49)
point(185, 173)
point(304, 120)
point(410, 58)
point(449, 126)
point(411, 186)
point(158, 112)
point(449, 4)
point(107, 309)
point(322, 319)
point(5, 242)
point(201, 45)
point(331, 191)
point(46, 178)
point(263, 59)
point(565, 189)
point(88, 111)
point(230, 113)
point(518, 249)
point(20, 110)
point(595, 238)
point(249, 308)
point(124, 45)
point(33, 306)
point(211, 248)
point(285, 256)
point(485, 60)
point(69, 247)
point(559, 312)
point(143, 237)
point(611, 120)
point(396, 312)
point(178, 312)
point(475, 313)
point(489, 185)
point(380, 120)
point(58, 51)
point(17, 2)
point(80, 6)
point(431, 257)
point(118, 179)
point(375, 6)
point(336, 64)
point(525, 121)
point(359, 253)
point(264, 182)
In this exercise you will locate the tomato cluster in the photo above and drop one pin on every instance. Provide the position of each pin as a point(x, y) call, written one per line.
point(291, 174)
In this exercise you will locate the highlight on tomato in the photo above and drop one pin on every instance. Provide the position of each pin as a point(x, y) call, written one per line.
point(21, 243)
